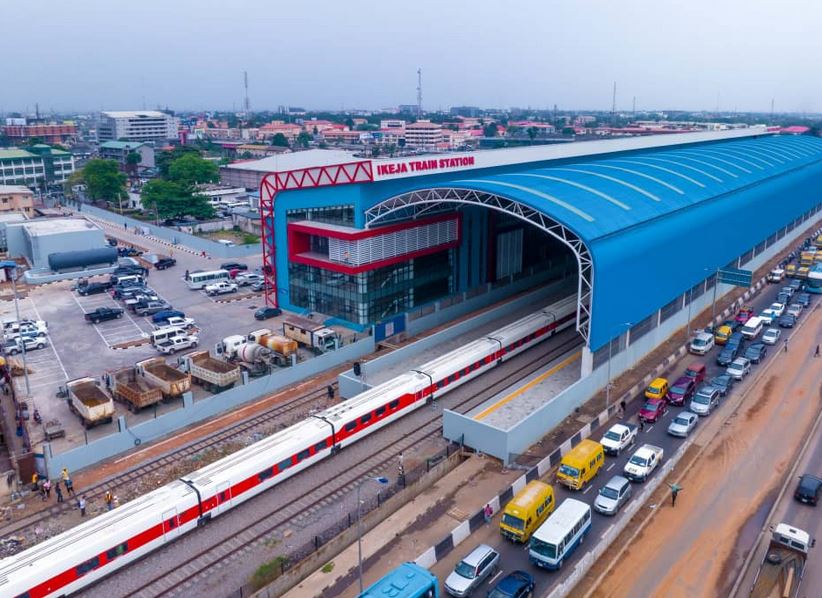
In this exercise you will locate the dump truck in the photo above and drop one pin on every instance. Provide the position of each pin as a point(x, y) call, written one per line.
point(90, 402)
point(213, 374)
point(172, 382)
point(134, 390)
point(781, 571)
point(312, 335)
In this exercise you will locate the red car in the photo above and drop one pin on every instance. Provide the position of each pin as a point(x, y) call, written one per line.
point(696, 372)
point(652, 410)
point(745, 314)
point(682, 390)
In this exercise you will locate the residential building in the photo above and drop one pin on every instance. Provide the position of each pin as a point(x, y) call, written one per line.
point(423, 135)
point(19, 131)
point(290, 131)
point(141, 125)
point(38, 165)
point(223, 195)
point(259, 150)
point(16, 198)
point(392, 123)
point(250, 173)
point(470, 111)
point(119, 150)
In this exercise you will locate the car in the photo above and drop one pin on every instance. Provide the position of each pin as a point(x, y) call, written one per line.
point(727, 355)
point(683, 423)
point(705, 400)
point(723, 383)
point(259, 287)
point(722, 334)
point(247, 278)
point(788, 290)
point(739, 368)
point(15, 345)
point(786, 321)
point(768, 316)
point(795, 309)
point(233, 266)
point(472, 571)
point(803, 299)
point(613, 495)
point(164, 263)
point(702, 343)
point(681, 390)
point(517, 584)
point(267, 312)
point(777, 308)
point(151, 307)
point(744, 314)
point(771, 336)
point(776, 275)
point(163, 316)
point(101, 314)
point(783, 298)
point(756, 352)
point(128, 251)
point(221, 288)
point(808, 489)
point(736, 340)
point(796, 285)
point(93, 288)
point(653, 410)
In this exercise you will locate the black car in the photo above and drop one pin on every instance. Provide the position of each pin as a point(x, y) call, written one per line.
point(111, 242)
point(267, 312)
point(128, 252)
point(727, 355)
point(795, 284)
point(732, 324)
point(808, 490)
point(233, 266)
point(783, 298)
point(165, 262)
point(517, 584)
point(101, 314)
point(723, 383)
point(756, 352)
point(94, 288)
point(786, 321)
point(803, 299)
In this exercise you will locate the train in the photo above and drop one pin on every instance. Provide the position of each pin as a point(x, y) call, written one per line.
point(79, 557)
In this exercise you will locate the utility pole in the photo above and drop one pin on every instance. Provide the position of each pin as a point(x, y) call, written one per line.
point(772, 101)
point(247, 103)
point(419, 93)
point(613, 107)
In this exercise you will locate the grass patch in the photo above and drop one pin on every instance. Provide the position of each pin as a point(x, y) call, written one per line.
point(328, 567)
point(268, 572)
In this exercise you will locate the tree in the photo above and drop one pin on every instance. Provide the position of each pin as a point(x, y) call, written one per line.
point(103, 179)
point(303, 139)
point(490, 130)
point(164, 159)
point(132, 160)
point(190, 169)
point(173, 200)
point(532, 133)
point(279, 140)
point(375, 151)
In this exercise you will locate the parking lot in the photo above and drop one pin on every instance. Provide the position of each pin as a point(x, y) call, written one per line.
point(114, 332)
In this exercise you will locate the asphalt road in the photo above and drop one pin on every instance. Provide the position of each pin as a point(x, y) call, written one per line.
point(516, 556)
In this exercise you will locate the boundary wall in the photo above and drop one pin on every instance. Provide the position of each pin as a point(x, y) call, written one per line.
point(193, 412)
point(507, 444)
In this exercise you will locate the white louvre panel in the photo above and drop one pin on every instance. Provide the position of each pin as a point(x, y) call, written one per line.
point(393, 244)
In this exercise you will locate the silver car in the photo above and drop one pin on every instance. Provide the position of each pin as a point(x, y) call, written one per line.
point(471, 571)
point(683, 423)
point(739, 368)
point(705, 400)
point(613, 495)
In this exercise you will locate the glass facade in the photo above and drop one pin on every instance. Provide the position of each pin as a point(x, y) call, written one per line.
point(342, 215)
point(372, 296)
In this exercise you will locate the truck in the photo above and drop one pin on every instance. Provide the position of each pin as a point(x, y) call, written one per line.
point(780, 573)
point(184, 323)
point(312, 335)
point(90, 402)
point(643, 462)
point(618, 437)
point(134, 390)
point(213, 374)
point(254, 358)
point(177, 343)
point(101, 314)
point(221, 288)
point(172, 382)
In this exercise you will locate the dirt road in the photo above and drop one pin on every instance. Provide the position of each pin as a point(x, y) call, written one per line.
point(689, 550)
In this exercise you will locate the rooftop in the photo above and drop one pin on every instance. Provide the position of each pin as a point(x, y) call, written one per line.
point(121, 145)
point(296, 160)
point(8, 154)
point(56, 226)
point(15, 189)
point(135, 114)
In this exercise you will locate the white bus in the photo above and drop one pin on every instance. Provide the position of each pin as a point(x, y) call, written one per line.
point(557, 538)
point(198, 280)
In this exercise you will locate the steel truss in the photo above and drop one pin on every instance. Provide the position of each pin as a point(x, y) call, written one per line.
point(417, 203)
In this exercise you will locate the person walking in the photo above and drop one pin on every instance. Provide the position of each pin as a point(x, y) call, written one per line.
point(816, 354)
point(34, 479)
point(641, 425)
point(622, 406)
point(81, 504)
point(109, 499)
point(42, 490)
point(488, 512)
point(187, 274)
point(65, 474)
point(47, 488)
point(70, 487)
point(786, 345)
point(59, 492)
point(675, 488)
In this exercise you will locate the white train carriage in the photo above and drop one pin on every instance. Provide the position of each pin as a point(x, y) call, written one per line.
point(534, 328)
point(70, 561)
point(457, 367)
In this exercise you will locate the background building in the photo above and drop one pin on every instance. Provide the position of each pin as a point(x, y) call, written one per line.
point(19, 131)
point(119, 150)
point(36, 240)
point(145, 125)
point(39, 165)
point(423, 135)
point(16, 198)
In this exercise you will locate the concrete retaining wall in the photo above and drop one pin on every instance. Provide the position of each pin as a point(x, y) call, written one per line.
point(194, 412)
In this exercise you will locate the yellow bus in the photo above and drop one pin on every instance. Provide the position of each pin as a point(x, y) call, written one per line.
point(581, 464)
point(526, 511)
point(790, 270)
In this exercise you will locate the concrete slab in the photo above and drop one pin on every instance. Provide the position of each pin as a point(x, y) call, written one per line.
point(517, 402)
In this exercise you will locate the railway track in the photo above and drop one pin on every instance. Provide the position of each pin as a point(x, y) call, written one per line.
point(280, 413)
point(179, 577)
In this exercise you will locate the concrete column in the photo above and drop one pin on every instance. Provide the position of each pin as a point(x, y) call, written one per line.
point(587, 361)
point(121, 423)
point(188, 400)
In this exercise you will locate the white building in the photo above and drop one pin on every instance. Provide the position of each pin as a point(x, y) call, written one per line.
point(143, 125)
point(423, 134)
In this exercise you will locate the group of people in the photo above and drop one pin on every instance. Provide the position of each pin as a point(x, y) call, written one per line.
point(44, 486)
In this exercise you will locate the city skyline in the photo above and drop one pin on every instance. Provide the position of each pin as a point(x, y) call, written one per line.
point(192, 55)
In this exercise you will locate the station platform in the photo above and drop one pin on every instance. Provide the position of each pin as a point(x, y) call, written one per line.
point(517, 402)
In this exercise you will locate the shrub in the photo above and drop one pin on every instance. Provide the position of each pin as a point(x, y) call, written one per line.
point(268, 572)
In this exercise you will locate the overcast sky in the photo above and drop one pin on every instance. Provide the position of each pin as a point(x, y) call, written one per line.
point(190, 54)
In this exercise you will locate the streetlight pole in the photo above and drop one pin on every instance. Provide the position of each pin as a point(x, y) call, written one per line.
point(13, 272)
point(690, 304)
point(379, 480)
point(608, 385)
point(713, 303)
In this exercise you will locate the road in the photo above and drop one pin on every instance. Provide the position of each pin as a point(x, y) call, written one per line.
point(515, 557)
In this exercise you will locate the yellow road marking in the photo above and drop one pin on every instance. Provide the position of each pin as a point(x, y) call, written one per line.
point(489, 410)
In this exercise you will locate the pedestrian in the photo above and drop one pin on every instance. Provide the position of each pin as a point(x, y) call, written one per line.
point(65, 474)
point(487, 512)
point(817, 351)
point(187, 274)
point(47, 488)
point(109, 499)
point(59, 492)
point(330, 391)
point(81, 504)
point(70, 487)
point(34, 479)
point(641, 424)
point(675, 488)
point(622, 406)
point(42, 491)
point(786, 345)
point(125, 225)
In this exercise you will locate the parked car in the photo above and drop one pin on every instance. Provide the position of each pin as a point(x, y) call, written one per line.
point(221, 288)
point(681, 391)
point(727, 355)
point(705, 400)
point(653, 410)
point(745, 314)
point(723, 383)
point(93, 288)
point(15, 345)
point(771, 336)
point(163, 316)
point(164, 263)
point(777, 308)
point(101, 314)
point(27, 328)
point(517, 584)
point(683, 423)
point(151, 307)
point(472, 571)
point(267, 312)
point(756, 352)
point(739, 368)
point(613, 495)
point(795, 310)
point(233, 266)
point(808, 489)
point(259, 287)
point(803, 299)
point(128, 251)
point(247, 278)
point(786, 321)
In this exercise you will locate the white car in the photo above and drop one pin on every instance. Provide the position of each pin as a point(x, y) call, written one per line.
point(767, 316)
point(247, 278)
point(32, 327)
point(771, 336)
point(739, 368)
point(683, 423)
point(702, 343)
point(777, 308)
point(794, 309)
point(220, 288)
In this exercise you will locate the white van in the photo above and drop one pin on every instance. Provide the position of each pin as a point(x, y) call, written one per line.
point(753, 327)
point(165, 333)
point(127, 279)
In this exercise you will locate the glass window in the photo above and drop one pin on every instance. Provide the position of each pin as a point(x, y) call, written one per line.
point(265, 474)
point(365, 418)
point(323, 444)
point(380, 411)
point(89, 565)
point(350, 426)
point(394, 404)
point(283, 465)
point(119, 550)
point(303, 455)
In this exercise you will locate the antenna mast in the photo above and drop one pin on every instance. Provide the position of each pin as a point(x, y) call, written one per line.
point(419, 93)
point(247, 100)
